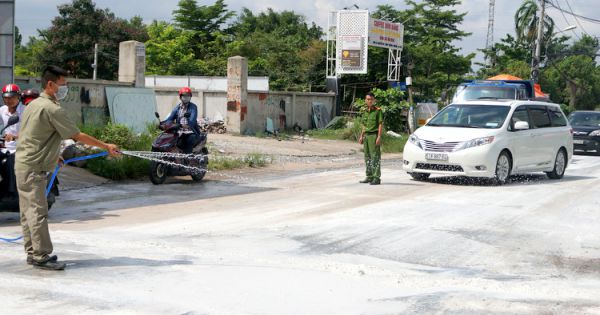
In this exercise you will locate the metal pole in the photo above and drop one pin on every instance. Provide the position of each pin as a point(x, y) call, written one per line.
point(95, 60)
point(535, 71)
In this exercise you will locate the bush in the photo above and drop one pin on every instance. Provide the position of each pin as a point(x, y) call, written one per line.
point(123, 167)
point(391, 104)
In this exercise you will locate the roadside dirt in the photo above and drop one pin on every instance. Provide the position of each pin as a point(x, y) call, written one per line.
point(291, 155)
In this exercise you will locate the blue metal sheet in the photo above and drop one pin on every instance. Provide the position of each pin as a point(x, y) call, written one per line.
point(133, 107)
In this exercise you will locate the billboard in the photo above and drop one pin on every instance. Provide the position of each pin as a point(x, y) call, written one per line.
point(386, 34)
point(352, 46)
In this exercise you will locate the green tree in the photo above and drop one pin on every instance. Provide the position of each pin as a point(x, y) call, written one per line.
point(431, 27)
point(526, 23)
point(281, 45)
point(79, 25)
point(169, 50)
point(204, 20)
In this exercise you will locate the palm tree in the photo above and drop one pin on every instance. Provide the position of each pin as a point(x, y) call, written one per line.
point(526, 23)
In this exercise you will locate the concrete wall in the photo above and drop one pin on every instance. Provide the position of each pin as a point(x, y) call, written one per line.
point(86, 101)
point(203, 83)
point(284, 108)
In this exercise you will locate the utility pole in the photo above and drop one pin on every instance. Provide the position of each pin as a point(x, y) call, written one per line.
point(95, 65)
point(489, 43)
point(535, 66)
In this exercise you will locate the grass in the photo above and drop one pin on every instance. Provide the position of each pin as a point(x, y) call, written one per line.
point(218, 162)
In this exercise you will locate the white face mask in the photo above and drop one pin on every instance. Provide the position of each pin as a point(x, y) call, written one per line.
point(62, 92)
point(186, 99)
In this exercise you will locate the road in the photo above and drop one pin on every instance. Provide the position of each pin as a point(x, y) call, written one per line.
point(318, 243)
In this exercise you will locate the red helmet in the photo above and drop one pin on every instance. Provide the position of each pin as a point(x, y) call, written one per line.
point(29, 95)
point(10, 90)
point(185, 90)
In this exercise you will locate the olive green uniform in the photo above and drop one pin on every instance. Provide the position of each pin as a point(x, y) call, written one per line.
point(371, 121)
point(44, 124)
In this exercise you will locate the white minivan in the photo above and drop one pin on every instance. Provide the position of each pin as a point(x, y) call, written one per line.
point(492, 139)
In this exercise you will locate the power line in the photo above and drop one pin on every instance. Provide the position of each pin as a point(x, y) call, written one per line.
point(566, 20)
point(576, 19)
point(589, 19)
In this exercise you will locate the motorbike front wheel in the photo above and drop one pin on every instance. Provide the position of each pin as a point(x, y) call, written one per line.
point(158, 173)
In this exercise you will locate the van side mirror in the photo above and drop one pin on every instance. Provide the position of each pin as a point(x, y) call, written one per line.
point(157, 115)
point(521, 125)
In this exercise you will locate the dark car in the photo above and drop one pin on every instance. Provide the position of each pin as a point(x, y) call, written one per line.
point(586, 131)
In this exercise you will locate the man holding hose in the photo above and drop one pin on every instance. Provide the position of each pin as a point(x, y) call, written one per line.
point(44, 124)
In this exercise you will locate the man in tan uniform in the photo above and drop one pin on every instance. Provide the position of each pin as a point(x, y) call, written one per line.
point(44, 124)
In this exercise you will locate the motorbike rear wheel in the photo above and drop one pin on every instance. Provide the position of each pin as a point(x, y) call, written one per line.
point(158, 173)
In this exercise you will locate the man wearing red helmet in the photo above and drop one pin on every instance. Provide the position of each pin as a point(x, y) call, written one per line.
point(11, 94)
point(186, 114)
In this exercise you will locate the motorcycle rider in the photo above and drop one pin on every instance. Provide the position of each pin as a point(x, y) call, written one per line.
point(11, 94)
point(186, 114)
point(29, 95)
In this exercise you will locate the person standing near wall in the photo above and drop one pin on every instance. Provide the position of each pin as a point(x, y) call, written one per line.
point(45, 123)
point(370, 137)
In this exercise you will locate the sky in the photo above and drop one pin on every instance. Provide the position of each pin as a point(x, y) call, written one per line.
point(38, 14)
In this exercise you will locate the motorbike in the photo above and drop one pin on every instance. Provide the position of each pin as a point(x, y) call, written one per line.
point(9, 202)
point(168, 141)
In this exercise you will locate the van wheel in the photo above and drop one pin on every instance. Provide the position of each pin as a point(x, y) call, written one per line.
point(503, 168)
point(560, 165)
point(419, 176)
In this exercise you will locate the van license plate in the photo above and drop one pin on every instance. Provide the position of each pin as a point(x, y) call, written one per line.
point(437, 156)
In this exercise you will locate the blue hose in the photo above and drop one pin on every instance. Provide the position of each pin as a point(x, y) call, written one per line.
point(53, 178)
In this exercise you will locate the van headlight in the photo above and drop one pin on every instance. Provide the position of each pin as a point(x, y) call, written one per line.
point(415, 140)
point(476, 142)
point(595, 133)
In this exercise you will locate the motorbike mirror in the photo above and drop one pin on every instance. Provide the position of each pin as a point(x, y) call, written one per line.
point(11, 121)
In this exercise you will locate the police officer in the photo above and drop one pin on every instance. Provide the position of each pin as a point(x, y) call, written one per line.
point(370, 137)
point(45, 123)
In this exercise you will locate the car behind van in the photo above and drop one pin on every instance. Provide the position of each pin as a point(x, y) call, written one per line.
point(491, 139)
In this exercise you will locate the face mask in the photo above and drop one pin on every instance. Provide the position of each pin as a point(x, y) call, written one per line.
point(186, 99)
point(62, 92)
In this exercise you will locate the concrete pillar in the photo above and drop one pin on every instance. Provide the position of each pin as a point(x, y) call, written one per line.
point(237, 94)
point(132, 63)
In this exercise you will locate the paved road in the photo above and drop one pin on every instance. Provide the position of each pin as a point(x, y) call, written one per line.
point(319, 243)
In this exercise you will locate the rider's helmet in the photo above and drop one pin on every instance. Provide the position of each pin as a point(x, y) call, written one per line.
point(185, 94)
point(11, 90)
point(185, 91)
point(29, 95)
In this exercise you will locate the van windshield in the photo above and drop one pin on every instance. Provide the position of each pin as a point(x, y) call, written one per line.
point(471, 116)
point(479, 92)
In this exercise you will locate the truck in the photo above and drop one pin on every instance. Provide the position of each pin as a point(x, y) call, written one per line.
point(494, 89)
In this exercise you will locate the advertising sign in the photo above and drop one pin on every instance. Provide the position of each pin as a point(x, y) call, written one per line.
point(386, 34)
point(352, 51)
